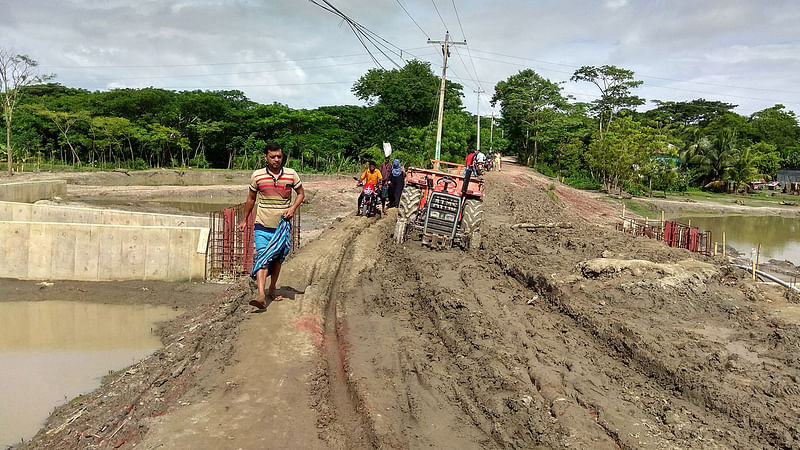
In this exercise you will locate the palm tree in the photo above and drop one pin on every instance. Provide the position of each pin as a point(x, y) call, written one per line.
point(716, 159)
point(743, 167)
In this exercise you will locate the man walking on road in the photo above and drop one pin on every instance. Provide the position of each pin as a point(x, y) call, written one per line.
point(271, 189)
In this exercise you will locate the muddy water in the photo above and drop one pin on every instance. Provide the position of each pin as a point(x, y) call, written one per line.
point(53, 351)
point(778, 236)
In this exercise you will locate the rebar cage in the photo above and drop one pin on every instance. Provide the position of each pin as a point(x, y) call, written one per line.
point(230, 252)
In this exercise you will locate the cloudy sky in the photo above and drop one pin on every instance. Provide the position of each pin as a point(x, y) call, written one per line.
point(296, 53)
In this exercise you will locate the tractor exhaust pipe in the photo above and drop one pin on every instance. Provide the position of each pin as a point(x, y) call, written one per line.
point(466, 182)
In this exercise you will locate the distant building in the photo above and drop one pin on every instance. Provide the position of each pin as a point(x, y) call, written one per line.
point(786, 176)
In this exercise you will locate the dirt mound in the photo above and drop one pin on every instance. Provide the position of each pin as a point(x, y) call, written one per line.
point(575, 336)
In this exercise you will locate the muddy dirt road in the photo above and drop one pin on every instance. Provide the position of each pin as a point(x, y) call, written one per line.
point(572, 336)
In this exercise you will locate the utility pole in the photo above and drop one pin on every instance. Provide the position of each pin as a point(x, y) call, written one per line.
point(479, 92)
point(491, 133)
point(445, 53)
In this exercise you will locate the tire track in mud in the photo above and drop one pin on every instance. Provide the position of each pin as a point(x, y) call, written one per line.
point(740, 415)
point(343, 420)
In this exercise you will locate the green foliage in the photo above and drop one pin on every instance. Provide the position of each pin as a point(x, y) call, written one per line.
point(530, 105)
point(768, 160)
point(615, 85)
point(582, 180)
point(742, 168)
point(674, 146)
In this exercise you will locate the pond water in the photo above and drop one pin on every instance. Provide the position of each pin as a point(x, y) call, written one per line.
point(779, 236)
point(53, 351)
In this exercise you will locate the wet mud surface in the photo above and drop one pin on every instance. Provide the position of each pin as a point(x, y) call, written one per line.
point(569, 336)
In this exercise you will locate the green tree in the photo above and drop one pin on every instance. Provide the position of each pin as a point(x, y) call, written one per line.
point(742, 167)
point(529, 104)
point(717, 157)
point(768, 160)
point(16, 73)
point(615, 85)
point(626, 148)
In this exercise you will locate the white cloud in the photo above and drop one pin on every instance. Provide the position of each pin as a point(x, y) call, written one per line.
point(181, 44)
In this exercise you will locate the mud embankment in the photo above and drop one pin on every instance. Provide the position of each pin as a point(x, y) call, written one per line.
point(573, 336)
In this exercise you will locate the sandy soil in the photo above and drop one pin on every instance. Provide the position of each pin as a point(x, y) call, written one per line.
point(574, 336)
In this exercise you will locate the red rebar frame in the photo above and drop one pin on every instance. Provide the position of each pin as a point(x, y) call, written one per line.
point(230, 252)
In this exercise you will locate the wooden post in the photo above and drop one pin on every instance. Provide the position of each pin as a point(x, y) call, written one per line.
point(754, 271)
point(758, 255)
point(662, 220)
point(715, 248)
point(623, 210)
point(723, 244)
point(690, 223)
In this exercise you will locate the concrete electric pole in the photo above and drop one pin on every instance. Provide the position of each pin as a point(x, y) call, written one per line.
point(479, 92)
point(445, 53)
point(491, 133)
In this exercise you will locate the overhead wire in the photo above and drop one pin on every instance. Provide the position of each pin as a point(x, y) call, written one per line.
point(463, 35)
point(357, 29)
point(412, 19)
point(440, 15)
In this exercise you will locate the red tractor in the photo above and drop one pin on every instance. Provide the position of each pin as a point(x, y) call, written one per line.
point(443, 208)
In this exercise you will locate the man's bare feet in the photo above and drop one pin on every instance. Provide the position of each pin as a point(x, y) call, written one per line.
point(259, 302)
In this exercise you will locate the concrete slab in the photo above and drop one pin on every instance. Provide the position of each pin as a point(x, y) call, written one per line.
point(31, 191)
point(92, 252)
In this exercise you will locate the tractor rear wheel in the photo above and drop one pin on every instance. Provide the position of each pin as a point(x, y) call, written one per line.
point(409, 202)
point(471, 222)
point(407, 209)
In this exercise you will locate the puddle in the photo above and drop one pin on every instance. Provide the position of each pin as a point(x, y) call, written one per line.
point(51, 352)
point(777, 235)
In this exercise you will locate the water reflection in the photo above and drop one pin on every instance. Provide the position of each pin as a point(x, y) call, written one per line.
point(53, 351)
point(778, 235)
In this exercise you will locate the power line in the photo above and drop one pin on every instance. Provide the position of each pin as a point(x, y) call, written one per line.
point(468, 50)
point(357, 29)
point(412, 19)
point(156, 66)
point(465, 67)
point(288, 69)
point(440, 16)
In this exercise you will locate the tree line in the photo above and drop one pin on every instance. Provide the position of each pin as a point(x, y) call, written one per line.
point(606, 142)
point(58, 126)
point(672, 146)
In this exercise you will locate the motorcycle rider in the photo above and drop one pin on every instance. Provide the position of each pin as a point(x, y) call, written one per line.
point(370, 176)
point(470, 166)
point(480, 160)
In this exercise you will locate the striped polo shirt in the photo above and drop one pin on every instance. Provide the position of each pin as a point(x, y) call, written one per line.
point(274, 194)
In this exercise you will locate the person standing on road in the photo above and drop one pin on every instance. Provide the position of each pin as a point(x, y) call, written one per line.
point(271, 193)
point(499, 160)
point(386, 171)
point(397, 180)
point(470, 167)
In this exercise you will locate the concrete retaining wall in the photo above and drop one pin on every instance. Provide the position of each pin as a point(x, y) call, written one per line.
point(31, 191)
point(70, 251)
point(26, 212)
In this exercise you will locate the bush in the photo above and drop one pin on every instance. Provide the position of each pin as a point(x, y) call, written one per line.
point(140, 164)
point(582, 180)
point(546, 170)
point(200, 162)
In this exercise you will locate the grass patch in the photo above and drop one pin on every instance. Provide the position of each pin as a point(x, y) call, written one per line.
point(641, 207)
point(553, 196)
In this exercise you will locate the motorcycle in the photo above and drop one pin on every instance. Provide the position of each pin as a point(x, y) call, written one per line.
point(370, 201)
point(489, 164)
